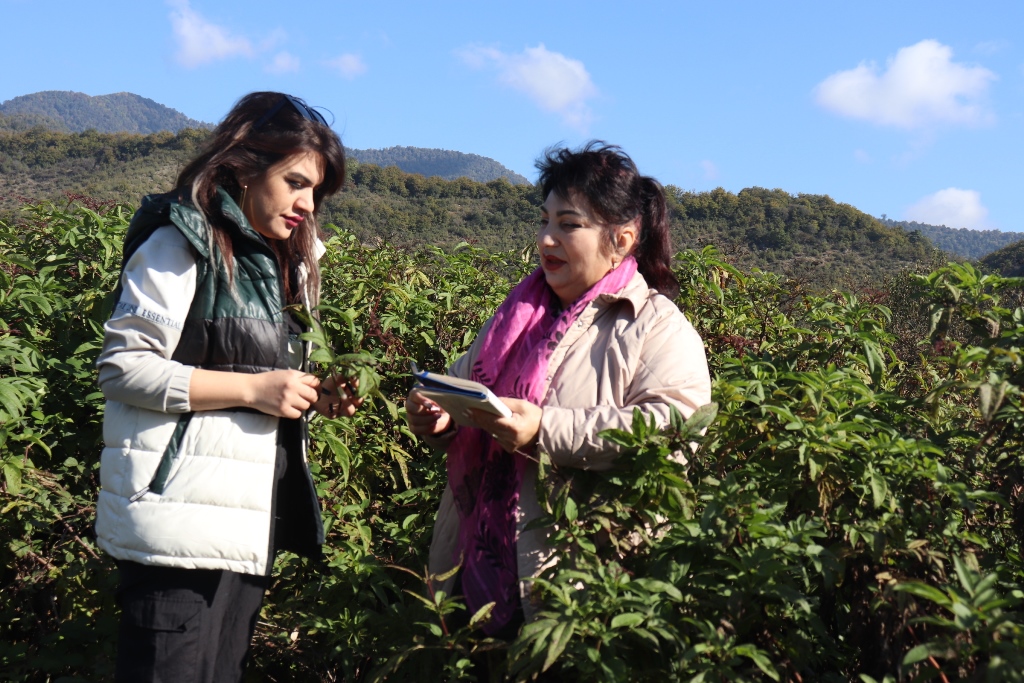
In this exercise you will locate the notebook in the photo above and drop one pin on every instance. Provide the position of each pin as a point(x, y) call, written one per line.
point(458, 395)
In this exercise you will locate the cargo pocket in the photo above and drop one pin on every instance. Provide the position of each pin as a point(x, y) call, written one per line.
point(160, 638)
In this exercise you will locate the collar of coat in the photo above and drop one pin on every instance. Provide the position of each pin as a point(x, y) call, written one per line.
point(636, 292)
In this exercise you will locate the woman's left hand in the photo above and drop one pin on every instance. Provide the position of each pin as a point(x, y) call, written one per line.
point(513, 433)
point(337, 398)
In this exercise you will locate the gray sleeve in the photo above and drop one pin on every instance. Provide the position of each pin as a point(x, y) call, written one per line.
point(135, 366)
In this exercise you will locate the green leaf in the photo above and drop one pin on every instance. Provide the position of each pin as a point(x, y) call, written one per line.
point(441, 578)
point(10, 400)
point(570, 509)
point(627, 620)
point(657, 586)
point(702, 418)
point(879, 489)
point(560, 636)
point(923, 652)
point(12, 475)
point(482, 615)
point(342, 455)
point(923, 590)
point(759, 658)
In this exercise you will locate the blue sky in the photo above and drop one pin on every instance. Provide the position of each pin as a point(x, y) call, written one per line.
point(910, 109)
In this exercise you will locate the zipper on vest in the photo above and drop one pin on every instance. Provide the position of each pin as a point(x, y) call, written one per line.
point(170, 454)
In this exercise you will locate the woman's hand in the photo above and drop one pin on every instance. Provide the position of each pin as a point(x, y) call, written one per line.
point(282, 393)
point(337, 398)
point(425, 417)
point(513, 433)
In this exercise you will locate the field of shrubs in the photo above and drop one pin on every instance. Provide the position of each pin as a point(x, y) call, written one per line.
point(854, 510)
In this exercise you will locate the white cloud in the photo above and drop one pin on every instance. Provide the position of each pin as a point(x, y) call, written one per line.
point(710, 169)
point(553, 81)
point(952, 207)
point(349, 66)
point(199, 41)
point(283, 63)
point(990, 47)
point(920, 87)
point(862, 156)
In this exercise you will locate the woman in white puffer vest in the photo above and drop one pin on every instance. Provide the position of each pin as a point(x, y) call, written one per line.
point(204, 475)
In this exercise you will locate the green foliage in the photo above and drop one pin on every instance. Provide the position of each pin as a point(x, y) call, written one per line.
point(57, 270)
point(851, 507)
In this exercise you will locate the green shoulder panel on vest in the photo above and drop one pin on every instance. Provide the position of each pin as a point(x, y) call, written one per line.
point(256, 289)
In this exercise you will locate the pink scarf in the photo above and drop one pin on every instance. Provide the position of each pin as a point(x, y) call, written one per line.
point(513, 362)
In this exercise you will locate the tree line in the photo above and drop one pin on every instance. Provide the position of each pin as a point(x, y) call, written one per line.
point(813, 237)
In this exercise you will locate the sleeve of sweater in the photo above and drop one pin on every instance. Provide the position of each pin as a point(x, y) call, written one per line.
point(673, 372)
point(135, 366)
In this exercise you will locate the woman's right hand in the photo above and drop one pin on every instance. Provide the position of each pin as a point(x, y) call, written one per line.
point(285, 393)
point(425, 417)
point(281, 393)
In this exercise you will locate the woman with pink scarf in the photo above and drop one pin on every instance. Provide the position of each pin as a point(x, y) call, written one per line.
point(586, 338)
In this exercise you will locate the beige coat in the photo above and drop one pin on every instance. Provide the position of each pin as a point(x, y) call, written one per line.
point(632, 348)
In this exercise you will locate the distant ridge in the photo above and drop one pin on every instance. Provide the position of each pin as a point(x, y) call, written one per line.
point(963, 242)
point(75, 112)
point(1008, 261)
point(440, 162)
point(125, 112)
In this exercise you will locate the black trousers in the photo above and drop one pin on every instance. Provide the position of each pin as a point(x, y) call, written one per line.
point(185, 624)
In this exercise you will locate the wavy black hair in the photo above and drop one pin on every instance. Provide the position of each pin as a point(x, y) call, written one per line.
point(608, 180)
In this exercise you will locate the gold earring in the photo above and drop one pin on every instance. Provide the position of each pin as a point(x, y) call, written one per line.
point(245, 188)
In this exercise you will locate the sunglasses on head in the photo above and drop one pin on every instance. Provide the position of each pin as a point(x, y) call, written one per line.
point(305, 112)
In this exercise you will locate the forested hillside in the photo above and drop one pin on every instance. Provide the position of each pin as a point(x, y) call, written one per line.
point(810, 237)
point(1008, 261)
point(40, 163)
point(122, 112)
point(963, 242)
point(23, 122)
point(440, 162)
point(43, 164)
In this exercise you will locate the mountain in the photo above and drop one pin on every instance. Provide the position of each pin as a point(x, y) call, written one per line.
point(1008, 261)
point(440, 162)
point(121, 112)
point(75, 112)
point(810, 238)
point(963, 242)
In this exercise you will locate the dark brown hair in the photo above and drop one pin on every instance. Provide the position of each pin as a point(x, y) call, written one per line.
point(242, 148)
point(608, 180)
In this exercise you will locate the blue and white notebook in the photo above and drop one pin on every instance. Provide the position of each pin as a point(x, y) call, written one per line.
point(458, 395)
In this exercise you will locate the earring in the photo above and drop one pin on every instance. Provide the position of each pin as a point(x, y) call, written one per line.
point(245, 188)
